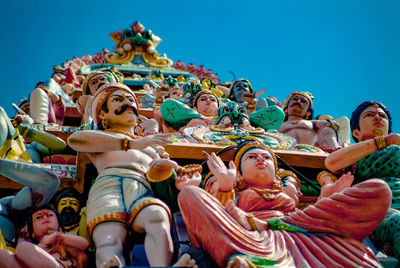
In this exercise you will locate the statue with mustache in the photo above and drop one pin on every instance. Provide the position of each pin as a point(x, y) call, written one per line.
point(299, 123)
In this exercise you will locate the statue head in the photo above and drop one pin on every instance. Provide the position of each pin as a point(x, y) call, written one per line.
point(300, 104)
point(114, 104)
point(96, 79)
point(68, 202)
point(206, 103)
point(190, 89)
point(370, 119)
point(232, 114)
point(43, 220)
point(256, 164)
point(238, 89)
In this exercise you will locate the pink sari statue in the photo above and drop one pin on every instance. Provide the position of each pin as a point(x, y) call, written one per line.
point(265, 224)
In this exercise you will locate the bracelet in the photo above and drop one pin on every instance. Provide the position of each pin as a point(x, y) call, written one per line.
point(223, 197)
point(335, 126)
point(333, 177)
point(380, 143)
point(125, 144)
point(251, 106)
point(251, 221)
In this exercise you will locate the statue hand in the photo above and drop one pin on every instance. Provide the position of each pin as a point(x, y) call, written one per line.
point(249, 98)
point(157, 139)
point(342, 183)
point(226, 177)
point(186, 180)
point(161, 163)
point(392, 139)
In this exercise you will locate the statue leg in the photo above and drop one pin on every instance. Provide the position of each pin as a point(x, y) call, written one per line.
point(109, 238)
point(386, 236)
point(154, 220)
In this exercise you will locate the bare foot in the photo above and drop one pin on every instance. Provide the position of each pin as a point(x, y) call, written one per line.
point(342, 183)
point(238, 262)
point(238, 214)
point(114, 262)
point(185, 261)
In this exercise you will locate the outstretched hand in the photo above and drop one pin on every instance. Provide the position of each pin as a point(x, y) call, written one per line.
point(157, 139)
point(226, 177)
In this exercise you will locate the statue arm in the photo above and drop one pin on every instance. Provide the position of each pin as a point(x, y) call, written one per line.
point(92, 141)
point(351, 154)
point(50, 141)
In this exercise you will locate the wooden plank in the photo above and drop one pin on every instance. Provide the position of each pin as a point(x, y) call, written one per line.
point(292, 158)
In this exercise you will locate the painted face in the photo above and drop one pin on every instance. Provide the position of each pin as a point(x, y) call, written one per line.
point(258, 168)
point(232, 114)
point(190, 89)
point(212, 186)
point(71, 202)
point(175, 93)
point(122, 110)
point(44, 221)
point(298, 106)
point(240, 88)
point(207, 105)
point(373, 122)
point(96, 82)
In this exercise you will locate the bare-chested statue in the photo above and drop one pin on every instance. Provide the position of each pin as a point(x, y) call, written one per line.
point(121, 199)
point(298, 108)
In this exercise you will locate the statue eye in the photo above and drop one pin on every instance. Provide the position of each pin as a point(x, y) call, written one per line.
point(198, 86)
point(227, 109)
point(146, 34)
point(242, 110)
point(128, 34)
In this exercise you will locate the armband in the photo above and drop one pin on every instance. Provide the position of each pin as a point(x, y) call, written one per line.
point(380, 143)
point(251, 221)
point(333, 177)
point(125, 144)
point(223, 197)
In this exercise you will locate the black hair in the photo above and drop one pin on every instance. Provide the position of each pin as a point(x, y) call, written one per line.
point(355, 116)
point(67, 192)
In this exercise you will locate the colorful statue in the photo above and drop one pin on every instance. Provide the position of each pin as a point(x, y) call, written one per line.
point(298, 123)
point(39, 187)
point(376, 154)
point(178, 115)
point(46, 244)
point(121, 199)
point(138, 46)
point(12, 144)
point(45, 106)
point(91, 84)
point(68, 203)
point(266, 227)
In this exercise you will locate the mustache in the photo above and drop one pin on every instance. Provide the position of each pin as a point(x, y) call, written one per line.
point(296, 103)
point(126, 106)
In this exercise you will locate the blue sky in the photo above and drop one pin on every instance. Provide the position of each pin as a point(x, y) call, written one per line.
point(343, 52)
